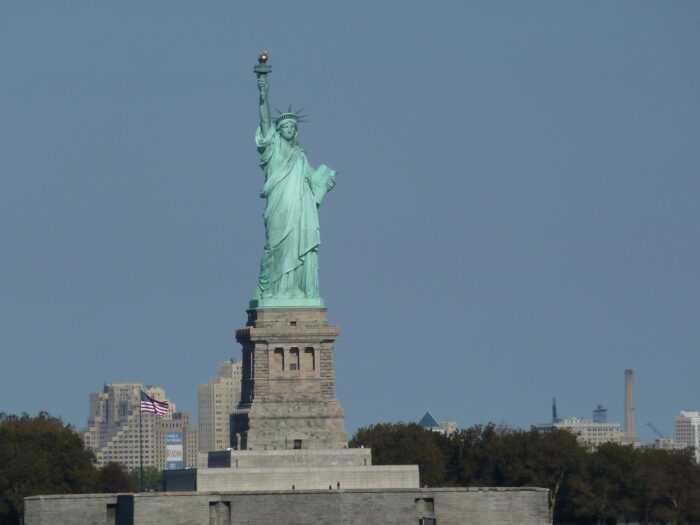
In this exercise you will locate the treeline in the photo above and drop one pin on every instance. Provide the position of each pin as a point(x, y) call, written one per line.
point(611, 484)
point(41, 455)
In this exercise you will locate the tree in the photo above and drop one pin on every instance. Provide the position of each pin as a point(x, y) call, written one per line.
point(40, 455)
point(115, 477)
point(669, 487)
point(152, 479)
point(543, 459)
point(475, 453)
point(497, 456)
point(608, 488)
point(406, 444)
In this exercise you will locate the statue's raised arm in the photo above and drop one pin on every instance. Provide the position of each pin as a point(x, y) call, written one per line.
point(261, 70)
point(294, 190)
point(264, 104)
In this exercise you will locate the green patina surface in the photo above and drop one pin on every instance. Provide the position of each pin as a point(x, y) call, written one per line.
point(294, 190)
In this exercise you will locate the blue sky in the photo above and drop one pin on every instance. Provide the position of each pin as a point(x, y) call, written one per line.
point(515, 218)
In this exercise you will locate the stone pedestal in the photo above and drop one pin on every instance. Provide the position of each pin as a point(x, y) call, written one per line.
point(288, 383)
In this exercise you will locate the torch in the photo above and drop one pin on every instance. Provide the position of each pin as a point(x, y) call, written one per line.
point(262, 68)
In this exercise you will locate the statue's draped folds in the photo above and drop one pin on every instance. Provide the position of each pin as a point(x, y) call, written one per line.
point(293, 189)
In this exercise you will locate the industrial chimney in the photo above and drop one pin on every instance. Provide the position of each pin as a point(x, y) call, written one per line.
point(629, 405)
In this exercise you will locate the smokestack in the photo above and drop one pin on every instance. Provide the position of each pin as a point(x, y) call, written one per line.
point(554, 410)
point(629, 405)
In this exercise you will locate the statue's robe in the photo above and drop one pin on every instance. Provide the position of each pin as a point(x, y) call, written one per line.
point(293, 189)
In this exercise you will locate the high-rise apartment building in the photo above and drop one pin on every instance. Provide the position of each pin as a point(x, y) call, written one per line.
point(118, 432)
point(688, 430)
point(176, 442)
point(216, 400)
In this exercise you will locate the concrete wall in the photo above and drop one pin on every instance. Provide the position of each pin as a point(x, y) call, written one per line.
point(451, 506)
point(348, 457)
point(84, 509)
point(307, 478)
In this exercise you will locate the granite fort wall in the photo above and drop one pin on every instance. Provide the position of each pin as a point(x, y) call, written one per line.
point(448, 506)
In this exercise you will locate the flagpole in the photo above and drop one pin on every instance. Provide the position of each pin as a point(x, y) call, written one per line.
point(140, 452)
point(148, 404)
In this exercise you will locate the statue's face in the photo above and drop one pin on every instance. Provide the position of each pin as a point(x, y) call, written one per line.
point(288, 130)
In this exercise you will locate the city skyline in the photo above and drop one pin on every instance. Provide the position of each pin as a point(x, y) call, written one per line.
point(514, 218)
point(220, 386)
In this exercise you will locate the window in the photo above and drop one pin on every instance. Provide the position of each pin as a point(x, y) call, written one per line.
point(308, 359)
point(278, 359)
point(294, 359)
point(297, 444)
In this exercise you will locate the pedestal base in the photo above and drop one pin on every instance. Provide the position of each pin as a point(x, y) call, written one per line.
point(291, 302)
point(288, 386)
point(347, 468)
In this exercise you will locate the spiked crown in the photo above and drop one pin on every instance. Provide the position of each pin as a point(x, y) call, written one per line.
point(296, 116)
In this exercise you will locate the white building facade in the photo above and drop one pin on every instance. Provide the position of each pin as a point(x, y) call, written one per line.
point(590, 432)
point(216, 400)
point(688, 431)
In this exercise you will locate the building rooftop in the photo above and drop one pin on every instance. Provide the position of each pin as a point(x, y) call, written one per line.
point(428, 421)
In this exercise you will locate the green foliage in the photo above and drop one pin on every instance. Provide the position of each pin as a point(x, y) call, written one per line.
point(152, 479)
point(644, 485)
point(669, 487)
point(401, 444)
point(40, 455)
point(114, 477)
point(608, 485)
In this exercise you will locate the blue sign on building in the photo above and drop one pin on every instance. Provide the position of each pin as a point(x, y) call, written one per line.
point(173, 451)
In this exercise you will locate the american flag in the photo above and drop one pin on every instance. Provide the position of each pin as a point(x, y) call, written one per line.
point(148, 404)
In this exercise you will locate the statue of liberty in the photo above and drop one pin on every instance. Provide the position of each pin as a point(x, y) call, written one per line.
point(294, 190)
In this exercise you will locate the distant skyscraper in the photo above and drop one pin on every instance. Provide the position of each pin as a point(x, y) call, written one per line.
point(688, 430)
point(216, 400)
point(600, 415)
point(117, 432)
point(176, 442)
